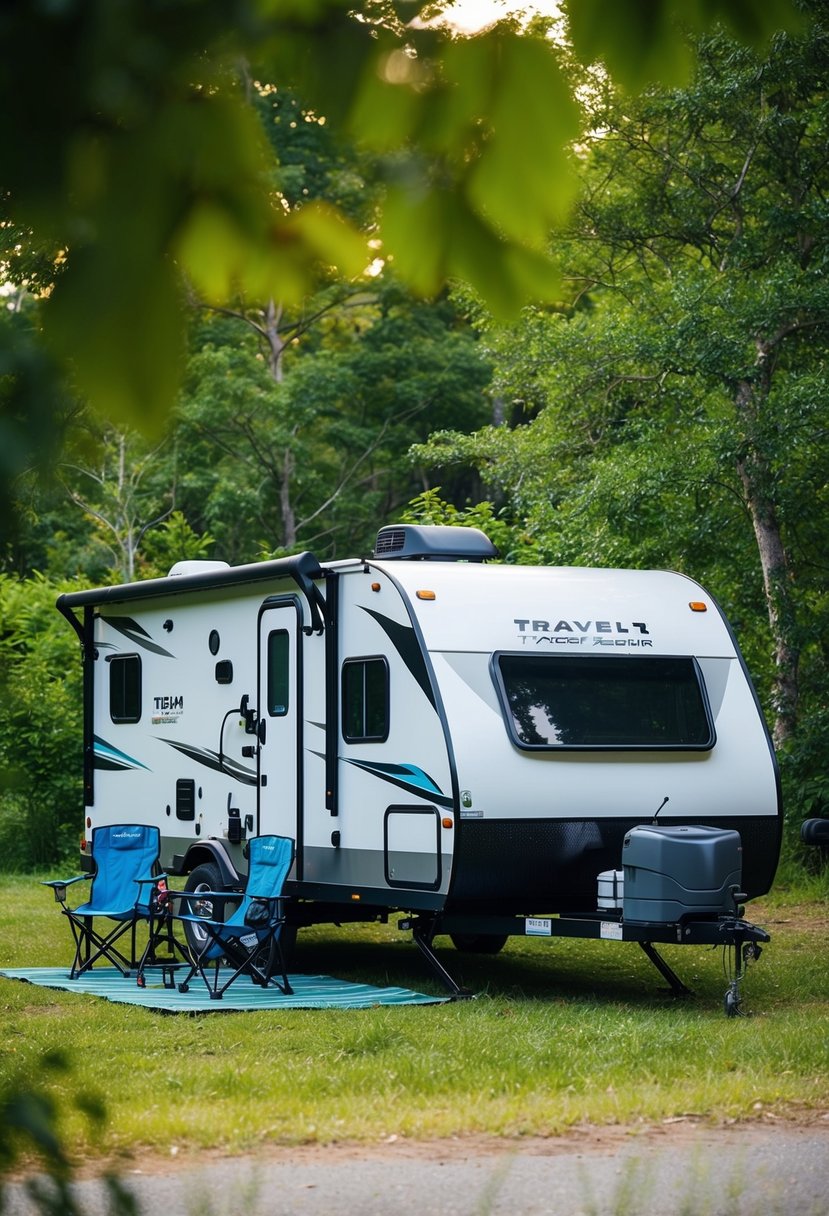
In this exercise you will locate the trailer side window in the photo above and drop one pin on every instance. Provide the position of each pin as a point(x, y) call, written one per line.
point(279, 659)
point(125, 688)
point(365, 688)
point(611, 703)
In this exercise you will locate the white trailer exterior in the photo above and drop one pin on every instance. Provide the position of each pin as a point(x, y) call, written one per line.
point(438, 734)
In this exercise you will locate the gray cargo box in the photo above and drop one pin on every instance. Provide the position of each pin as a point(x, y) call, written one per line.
point(673, 873)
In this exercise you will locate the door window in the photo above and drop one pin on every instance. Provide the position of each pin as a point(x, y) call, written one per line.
point(279, 659)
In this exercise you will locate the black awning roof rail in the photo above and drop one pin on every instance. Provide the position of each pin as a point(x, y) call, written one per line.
point(302, 568)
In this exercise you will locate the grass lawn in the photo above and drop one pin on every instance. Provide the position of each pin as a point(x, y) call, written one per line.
point(561, 1033)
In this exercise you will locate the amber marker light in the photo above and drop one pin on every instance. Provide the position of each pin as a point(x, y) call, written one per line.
point(698, 606)
point(447, 822)
point(355, 895)
point(375, 586)
point(425, 595)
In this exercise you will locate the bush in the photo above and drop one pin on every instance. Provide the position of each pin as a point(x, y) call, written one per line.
point(41, 734)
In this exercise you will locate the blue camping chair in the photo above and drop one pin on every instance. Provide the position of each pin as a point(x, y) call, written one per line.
point(126, 890)
point(248, 942)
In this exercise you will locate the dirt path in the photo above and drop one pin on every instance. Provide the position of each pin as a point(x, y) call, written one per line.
point(758, 1169)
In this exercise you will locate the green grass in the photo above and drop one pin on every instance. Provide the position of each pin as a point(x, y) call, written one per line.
point(562, 1033)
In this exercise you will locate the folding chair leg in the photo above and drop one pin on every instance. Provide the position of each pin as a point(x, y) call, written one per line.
point(275, 954)
point(90, 946)
point(239, 960)
point(164, 936)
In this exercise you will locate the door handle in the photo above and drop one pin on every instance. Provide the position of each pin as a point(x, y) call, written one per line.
point(261, 729)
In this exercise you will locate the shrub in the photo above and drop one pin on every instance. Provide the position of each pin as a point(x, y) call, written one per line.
point(41, 736)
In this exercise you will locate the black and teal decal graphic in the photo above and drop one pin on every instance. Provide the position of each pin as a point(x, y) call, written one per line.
point(212, 760)
point(136, 634)
point(112, 758)
point(404, 639)
point(407, 776)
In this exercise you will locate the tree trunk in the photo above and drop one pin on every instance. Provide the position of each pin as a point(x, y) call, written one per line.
point(285, 503)
point(755, 477)
point(276, 343)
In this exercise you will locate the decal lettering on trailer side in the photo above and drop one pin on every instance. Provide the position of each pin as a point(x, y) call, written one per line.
point(167, 710)
point(610, 632)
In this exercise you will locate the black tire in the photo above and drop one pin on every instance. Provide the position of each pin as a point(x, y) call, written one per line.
point(205, 877)
point(731, 1004)
point(478, 943)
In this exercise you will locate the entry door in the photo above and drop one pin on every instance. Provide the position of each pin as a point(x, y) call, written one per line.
point(280, 721)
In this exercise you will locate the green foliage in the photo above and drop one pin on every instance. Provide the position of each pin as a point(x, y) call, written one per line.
point(30, 1129)
point(641, 43)
point(671, 413)
point(514, 546)
point(33, 411)
point(152, 169)
point(173, 541)
point(40, 728)
point(245, 150)
point(316, 457)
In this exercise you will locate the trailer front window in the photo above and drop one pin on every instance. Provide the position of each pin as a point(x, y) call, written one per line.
point(619, 703)
point(125, 688)
point(366, 700)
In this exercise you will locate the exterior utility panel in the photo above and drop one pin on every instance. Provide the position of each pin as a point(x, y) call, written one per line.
point(434, 734)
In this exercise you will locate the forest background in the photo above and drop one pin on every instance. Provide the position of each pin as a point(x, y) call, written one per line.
point(278, 274)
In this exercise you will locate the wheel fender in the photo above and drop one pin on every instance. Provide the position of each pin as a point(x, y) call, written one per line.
point(212, 850)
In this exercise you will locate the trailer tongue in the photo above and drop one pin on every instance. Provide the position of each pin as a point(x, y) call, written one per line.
point(656, 898)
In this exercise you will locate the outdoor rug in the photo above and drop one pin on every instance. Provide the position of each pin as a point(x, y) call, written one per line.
point(310, 992)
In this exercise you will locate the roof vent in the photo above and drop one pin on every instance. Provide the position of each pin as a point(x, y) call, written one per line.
point(421, 542)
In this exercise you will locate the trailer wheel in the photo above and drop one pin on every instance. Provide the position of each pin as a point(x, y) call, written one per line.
point(731, 1004)
point(478, 943)
point(205, 877)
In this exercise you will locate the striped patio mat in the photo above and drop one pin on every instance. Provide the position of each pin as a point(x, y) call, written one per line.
point(310, 992)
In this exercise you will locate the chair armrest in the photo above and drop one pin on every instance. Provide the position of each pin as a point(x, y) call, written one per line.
point(184, 899)
point(208, 894)
point(59, 885)
point(160, 897)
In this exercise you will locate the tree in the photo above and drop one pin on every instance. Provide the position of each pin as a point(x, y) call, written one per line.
point(111, 492)
point(318, 459)
point(40, 727)
point(679, 392)
point(150, 170)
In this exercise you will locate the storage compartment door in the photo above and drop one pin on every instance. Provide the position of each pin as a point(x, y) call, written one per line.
point(412, 847)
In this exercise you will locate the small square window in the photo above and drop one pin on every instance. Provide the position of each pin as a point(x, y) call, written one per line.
point(366, 700)
point(125, 688)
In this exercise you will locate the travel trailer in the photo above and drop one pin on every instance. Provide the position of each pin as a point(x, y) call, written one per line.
point(488, 749)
